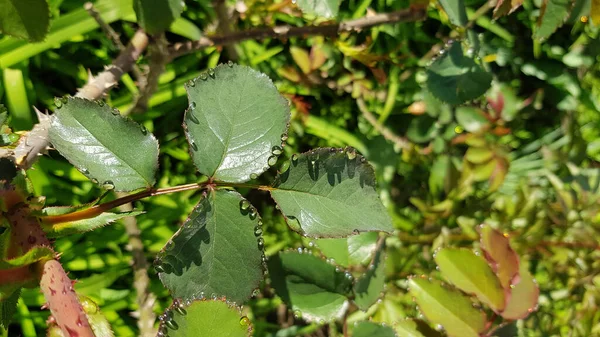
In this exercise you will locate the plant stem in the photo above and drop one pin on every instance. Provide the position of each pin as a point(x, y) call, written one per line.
point(101, 208)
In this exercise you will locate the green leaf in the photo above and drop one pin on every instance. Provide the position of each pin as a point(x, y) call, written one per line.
point(81, 226)
point(353, 250)
point(479, 155)
point(322, 8)
point(407, 328)
point(370, 329)
point(310, 286)
point(26, 19)
point(456, 11)
point(455, 78)
point(471, 119)
point(8, 306)
point(98, 141)
point(471, 274)
point(235, 122)
point(524, 296)
point(553, 14)
point(501, 257)
point(448, 308)
point(217, 251)
point(155, 16)
point(330, 192)
point(35, 254)
point(204, 318)
point(301, 58)
point(421, 129)
point(369, 287)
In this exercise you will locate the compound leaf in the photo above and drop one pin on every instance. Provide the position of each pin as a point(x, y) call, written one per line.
point(312, 287)
point(471, 274)
point(155, 16)
point(26, 19)
point(217, 251)
point(448, 308)
point(330, 192)
point(235, 122)
point(98, 141)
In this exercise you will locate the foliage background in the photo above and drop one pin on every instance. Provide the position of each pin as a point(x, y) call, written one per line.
point(545, 141)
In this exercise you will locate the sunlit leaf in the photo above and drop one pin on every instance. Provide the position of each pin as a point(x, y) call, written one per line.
point(353, 250)
point(26, 19)
point(471, 274)
point(222, 234)
point(97, 140)
point(370, 329)
point(502, 258)
point(448, 308)
point(330, 192)
point(80, 226)
point(301, 58)
point(322, 8)
point(407, 328)
point(310, 286)
point(235, 122)
point(155, 16)
point(456, 11)
point(524, 296)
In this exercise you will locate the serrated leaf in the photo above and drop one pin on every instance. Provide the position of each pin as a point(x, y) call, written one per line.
point(309, 285)
point(524, 296)
point(471, 274)
point(456, 11)
point(98, 141)
point(330, 193)
point(322, 8)
point(205, 318)
point(35, 254)
point(156, 16)
point(455, 78)
point(448, 308)
point(26, 19)
point(217, 239)
point(20, 269)
point(353, 250)
point(553, 15)
point(369, 287)
point(506, 7)
point(301, 58)
point(235, 122)
point(8, 306)
point(82, 226)
point(370, 329)
point(471, 119)
point(501, 257)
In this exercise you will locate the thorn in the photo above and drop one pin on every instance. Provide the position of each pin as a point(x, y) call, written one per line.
point(90, 76)
point(45, 306)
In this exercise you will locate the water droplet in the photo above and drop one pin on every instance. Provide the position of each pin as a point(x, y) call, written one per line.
point(244, 322)
point(253, 175)
point(94, 180)
point(194, 146)
point(100, 103)
point(261, 243)
point(159, 268)
point(115, 112)
point(295, 158)
point(272, 160)
point(211, 72)
point(192, 83)
point(284, 138)
point(64, 99)
point(277, 150)
point(311, 244)
point(180, 310)
point(348, 276)
point(297, 314)
point(299, 250)
point(244, 205)
point(193, 105)
point(203, 76)
point(253, 213)
point(351, 154)
point(258, 231)
point(58, 102)
point(193, 117)
point(230, 63)
point(108, 185)
point(84, 171)
point(171, 324)
point(356, 231)
point(144, 130)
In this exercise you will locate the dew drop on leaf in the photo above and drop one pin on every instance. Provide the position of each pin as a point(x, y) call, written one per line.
point(115, 112)
point(230, 63)
point(295, 158)
point(261, 243)
point(100, 103)
point(194, 146)
point(58, 103)
point(244, 205)
point(193, 118)
point(180, 310)
point(351, 154)
point(258, 231)
point(253, 176)
point(65, 99)
point(203, 76)
point(159, 268)
point(193, 105)
point(284, 138)
point(109, 185)
point(144, 130)
point(211, 72)
point(277, 150)
point(171, 324)
point(244, 322)
point(272, 160)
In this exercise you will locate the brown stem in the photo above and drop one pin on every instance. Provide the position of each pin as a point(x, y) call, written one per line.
point(286, 31)
point(157, 61)
point(388, 134)
point(112, 35)
point(63, 301)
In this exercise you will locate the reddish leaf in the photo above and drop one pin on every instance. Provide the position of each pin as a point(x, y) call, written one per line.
point(506, 7)
point(524, 296)
point(500, 256)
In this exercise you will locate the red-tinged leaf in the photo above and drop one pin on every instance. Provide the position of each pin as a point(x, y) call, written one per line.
point(498, 174)
point(506, 7)
point(500, 256)
point(290, 73)
point(524, 296)
point(317, 57)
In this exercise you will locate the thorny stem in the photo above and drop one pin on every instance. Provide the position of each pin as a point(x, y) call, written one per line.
point(101, 208)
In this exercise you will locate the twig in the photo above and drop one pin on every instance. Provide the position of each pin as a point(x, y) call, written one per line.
point(141, 282)
point(225, 27)
point(388, 134)
point(286, 31)
point(158, 58)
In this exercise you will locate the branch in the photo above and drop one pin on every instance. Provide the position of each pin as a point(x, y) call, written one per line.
point(286, 31)
point(225, 27)
point(388, 134)
point(157, 60)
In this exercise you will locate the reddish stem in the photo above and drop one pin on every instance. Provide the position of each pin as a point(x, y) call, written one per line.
point(63, 301)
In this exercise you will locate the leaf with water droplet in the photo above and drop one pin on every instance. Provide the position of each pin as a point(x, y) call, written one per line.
point(240, 116)
point(524, 296)
point(371, 329)
point(330, 196)
point(353, 250)
point(91, 136)
point(449, 308)
point(368, 288)
point(216, 239)
point(500, 256)
point(208, 318)
point(323, 8)
point(310, 285)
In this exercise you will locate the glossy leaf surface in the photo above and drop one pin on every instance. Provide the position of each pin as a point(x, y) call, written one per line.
point(215, 252)
point(353, 250)
point(501, 257)
point(26, 19)
point(235, 122)
point(330, 192)
point(310, 286)
point(471, 274)
point(322, 8)
point(448, 308)
point(98, 141)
